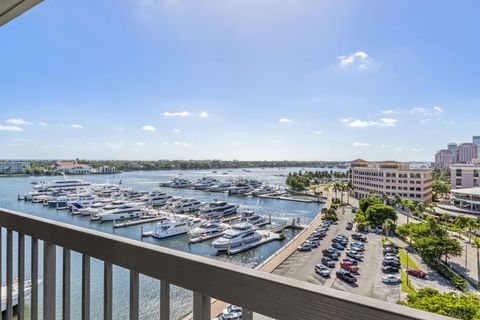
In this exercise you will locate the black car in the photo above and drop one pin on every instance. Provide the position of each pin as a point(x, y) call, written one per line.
point(346, 276)
point(338, 246)
point(390, 269)
point(326, 261)
point(391, 263)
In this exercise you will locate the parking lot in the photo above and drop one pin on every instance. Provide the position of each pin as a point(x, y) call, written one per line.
point(300, 265)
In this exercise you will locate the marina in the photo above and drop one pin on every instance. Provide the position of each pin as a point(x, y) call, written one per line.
point(275, 212)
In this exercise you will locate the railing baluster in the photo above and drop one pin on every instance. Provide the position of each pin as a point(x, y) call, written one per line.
point(21, 276)
point(49, 274)
point(34, 269)
point(134, 292)
point(201, 307)
point(85, 287)
point(164, 300)
point(107, 291)
point(9, 274)
point(66, 284)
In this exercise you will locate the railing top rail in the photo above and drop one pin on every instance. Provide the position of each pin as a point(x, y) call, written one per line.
point(268, 294)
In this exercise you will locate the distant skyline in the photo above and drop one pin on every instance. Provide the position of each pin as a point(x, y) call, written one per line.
point(239, 79)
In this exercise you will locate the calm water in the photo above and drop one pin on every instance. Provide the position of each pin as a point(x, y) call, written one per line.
point(147, 180)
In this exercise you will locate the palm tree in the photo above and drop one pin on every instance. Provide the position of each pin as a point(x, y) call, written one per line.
point(349, 186)
point(384, 198)
point(410, 205)
point(336, 188)
point(386, 226)
point(419, 209)
point(445, 217)
point(462, 222)
point(476, 244)
point(398, 200)
point(472, 224)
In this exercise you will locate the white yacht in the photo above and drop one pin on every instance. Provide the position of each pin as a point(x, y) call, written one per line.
point(205, 183)
point(170, 227)
point(251, 217)
point(221, 187)
point(207, 229)
point(180, 183)
point(185, 205)
point(82, 201)
point(239, 235)
point(65, 184)
point(158, 198)
point(125, 211)
point(265, 189)
point(240, 189)
point(217, 209)
point(93, 209)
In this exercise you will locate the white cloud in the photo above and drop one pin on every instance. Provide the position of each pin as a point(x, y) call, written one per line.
point(181, 144)
point(286, 120)
point(390, 112)
point(425, 120)
point(17, 122)
point(399, 149)
point(428, 111)
point(384, 146)
point(359, 59)
point(318, 132)
point(181, 114)
point(148, 128)
point(21, 139)
point(203, 114)
point(384, 122)
point(450, 122)
point(113, 145)
point(42, 124)
point(361, 144)
point(177, 130)
point(141, 144)
point(10, 128)
point(76, 126)
point(417, 150)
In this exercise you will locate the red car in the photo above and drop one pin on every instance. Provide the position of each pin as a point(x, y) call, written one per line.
point(347, 265)
point(417, 273)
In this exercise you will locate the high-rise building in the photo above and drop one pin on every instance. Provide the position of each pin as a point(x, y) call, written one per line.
point(466, 152)
point(476, 140)
point(443, 159)
point(452, 147)
point(391, 178)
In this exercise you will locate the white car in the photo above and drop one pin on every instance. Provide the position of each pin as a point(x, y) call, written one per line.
point(391, 279)
point(322, 270)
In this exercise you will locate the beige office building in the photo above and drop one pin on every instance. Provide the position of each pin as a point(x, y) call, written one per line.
point(391, 178)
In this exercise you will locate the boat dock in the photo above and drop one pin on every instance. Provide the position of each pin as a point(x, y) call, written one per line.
point(289, 198)
point(267, 236)
point(137, 222)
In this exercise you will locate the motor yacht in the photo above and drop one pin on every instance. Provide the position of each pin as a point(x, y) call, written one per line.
point(125, 211)
point(217, 209)
point(221, 187)
point(157, 198)
point(170, 227)
point(251, 217)
point(239, 235)
point(185, 205)
point(208, 228)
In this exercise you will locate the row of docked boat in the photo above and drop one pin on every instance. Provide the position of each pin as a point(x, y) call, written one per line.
point(200, 220)
point(241, 186)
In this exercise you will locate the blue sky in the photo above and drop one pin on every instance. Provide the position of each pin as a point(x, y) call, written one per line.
point(239, 79)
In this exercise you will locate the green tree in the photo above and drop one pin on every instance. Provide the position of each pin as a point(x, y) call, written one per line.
point(367, 202)
point(440, 188)
point(461, 223)
point(476, 244)
point(377, 214)
point(461, 306)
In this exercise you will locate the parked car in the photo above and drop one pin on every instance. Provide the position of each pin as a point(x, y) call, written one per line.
point(322, 271)
point(390, 244)
point(391, 279)
point(358, 243)
point(313, 243)
point(359, 237)
point(304, 247)
point(416, 273)
point(357, 248)
point(332, 255)
point(353, 261)
point(338, 246)
point(391, 263)
point(354, 255)
point(390, 250)
point(349, 226)
point(349, 266)
point(328, 262)
point(391, 254)
point(390, 269)
point(346, 276)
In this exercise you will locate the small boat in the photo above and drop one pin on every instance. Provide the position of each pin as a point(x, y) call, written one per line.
point(251, 217)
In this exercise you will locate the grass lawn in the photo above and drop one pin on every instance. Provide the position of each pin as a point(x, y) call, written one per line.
point(403, 260)
point(407, 288)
